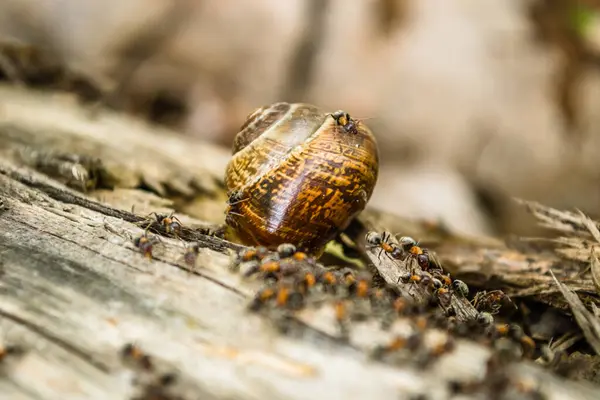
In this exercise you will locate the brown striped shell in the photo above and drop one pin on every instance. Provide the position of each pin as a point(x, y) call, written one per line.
point(298, 175)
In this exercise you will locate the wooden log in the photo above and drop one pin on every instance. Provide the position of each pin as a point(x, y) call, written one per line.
point(74, 290)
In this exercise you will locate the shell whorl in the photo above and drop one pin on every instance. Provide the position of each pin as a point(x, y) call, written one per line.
point(268, 137)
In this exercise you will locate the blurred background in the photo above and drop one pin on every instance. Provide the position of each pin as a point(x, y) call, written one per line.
point(473, 102)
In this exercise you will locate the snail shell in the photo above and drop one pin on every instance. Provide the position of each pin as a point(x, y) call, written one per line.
point(299, 175)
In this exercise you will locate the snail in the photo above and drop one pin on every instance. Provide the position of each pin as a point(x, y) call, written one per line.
point(298, 175)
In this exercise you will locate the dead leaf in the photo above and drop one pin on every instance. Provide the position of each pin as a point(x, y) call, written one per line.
point(595, 271)
point(590, 225)
point(589, 323)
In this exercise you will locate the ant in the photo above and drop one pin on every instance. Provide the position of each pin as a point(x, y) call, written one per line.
point(306, 281)
point(132, 353)
point(514, 332)
point(344, 120)
point(360, 285)
point(283, 295)
point(460, 287)
point(484, 319)
point(145, 244)
point(287, 298)
point(286, 250)
point(341, 317)
point(423, 278)
point(159, 388)
point(443, 296)
point(171, 223)
point(411, 343)
point(527, 343)
point(375, 239)
point(234, 198)
point(442, 346)
point(444, 278)
point(191, 254)
point(412, 248)
point(396, 344)
point(490, 301)
point(262, 298)
point(253, 254)
point(380, 298)
point(328, 280)
point(272, 268)
point(6, 351)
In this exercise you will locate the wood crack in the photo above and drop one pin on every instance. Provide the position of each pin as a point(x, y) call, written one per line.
point(56, 340)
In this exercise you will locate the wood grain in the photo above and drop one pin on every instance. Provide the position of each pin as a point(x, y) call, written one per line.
point(74, 290)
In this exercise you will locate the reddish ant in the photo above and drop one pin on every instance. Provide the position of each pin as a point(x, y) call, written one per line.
point(283, 295)
point(132, 353)
point(341, 316)
point(412, 248)
point(286, 297)
point(171, 223)
point(361, 286)
point(328, 281)
point(444, 278)
point(400, 342)
point(261, 298)
point(490, 301)
point(145, 244)
point(254, 253)
point(288, 250)
point(273, 268)
point(306, 281)
point(381, 241)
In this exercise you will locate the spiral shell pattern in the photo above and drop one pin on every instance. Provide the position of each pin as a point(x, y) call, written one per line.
point(298, 176)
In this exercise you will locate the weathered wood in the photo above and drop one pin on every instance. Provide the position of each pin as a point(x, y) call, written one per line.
point(87, 291)
point(393, 270)
point(74, 289)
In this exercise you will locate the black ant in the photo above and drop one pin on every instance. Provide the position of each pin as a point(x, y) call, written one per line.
point(235, 197)
point(344, 120)
point(349, 124)
point(286, 250)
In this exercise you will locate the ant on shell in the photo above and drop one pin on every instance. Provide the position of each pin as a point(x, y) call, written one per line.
point(349, 124)
point(234, 198)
